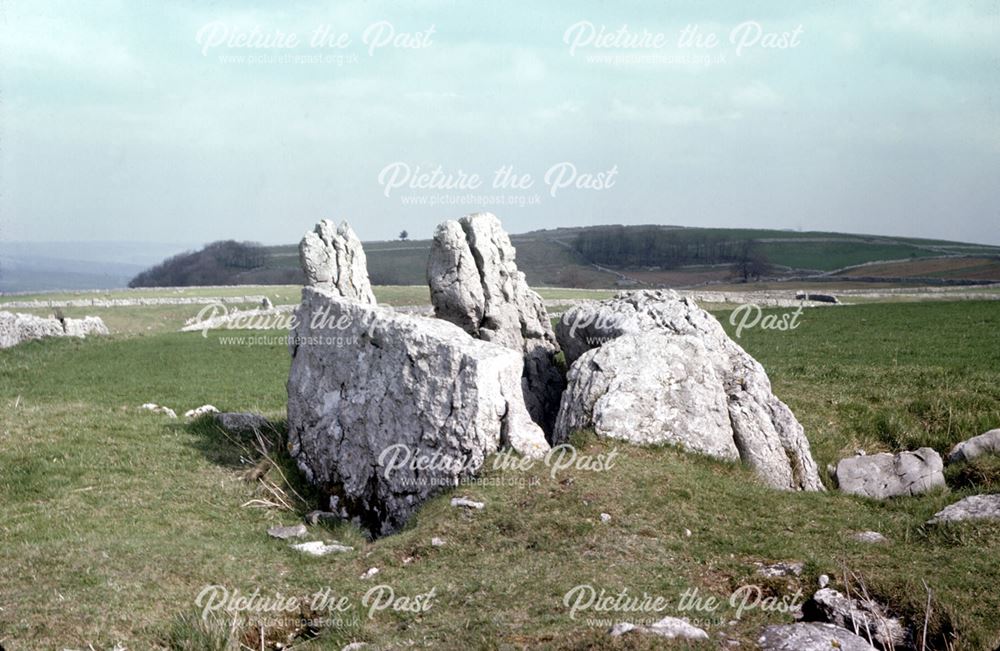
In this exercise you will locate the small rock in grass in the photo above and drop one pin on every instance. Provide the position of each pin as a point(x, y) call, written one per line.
point(319, 548)
point(285, 533)
point(824, 580)
point(200, 411)
point(372, 571)
point(159, 409)
point(977, 446)
point(869, 537)
point(780, 569)
point(242, 422)
point(974, 507)
point(668, 627)
point(687, 533)
point(605, 518)
point(467, 503)
point(437, 542)
point(355, 646)
point(811, 637)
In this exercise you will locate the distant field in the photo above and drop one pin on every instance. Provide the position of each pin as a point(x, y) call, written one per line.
point(968, 268)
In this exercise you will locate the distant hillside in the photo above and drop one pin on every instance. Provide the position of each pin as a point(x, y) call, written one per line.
point(609, 256)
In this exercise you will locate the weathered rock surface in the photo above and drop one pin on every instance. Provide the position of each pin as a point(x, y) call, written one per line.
point(198, 412)
point(333, 258)
point(288, 532)
point(668, 627)
point(867, 618)
point(697, 361)
point(650, 389)
point(320, 548)
point(884, 475)
point(811, 637)
point(977, 446)
point(476, 285)
point(974, 507)
point(871, 537)
point(238, 422)
point(410, 407)
point(16, 328)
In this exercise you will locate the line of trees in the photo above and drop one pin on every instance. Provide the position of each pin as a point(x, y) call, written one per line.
point(218, 263)
point(638, 246)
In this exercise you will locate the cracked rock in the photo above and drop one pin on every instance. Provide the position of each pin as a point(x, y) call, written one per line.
point(884, 475)
point(650, 367)
point(332, 258)
point(390, 409)
point(476, 285)
point(811, 637)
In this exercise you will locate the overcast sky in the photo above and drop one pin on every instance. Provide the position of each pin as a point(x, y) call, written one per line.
point(151, 121)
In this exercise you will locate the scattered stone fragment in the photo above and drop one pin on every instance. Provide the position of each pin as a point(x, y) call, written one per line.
point(692, 362)
point(315, 517)
point(811, 637)
point(668, 627)
point(289, 532)
point(780, 569)
point(200, 411)
point(605, 518)
point(355, 646)
point(369, 573)
point(242, 422)
point(437, 542)
point(865, 616)
point(824, 580)
point(159, 409)
point(319, 548)
point(977, 446)
point(873, 537)
point(266, 304)
point(332, 258)
point(467, 503)
point(884, 475)
point(974, 507)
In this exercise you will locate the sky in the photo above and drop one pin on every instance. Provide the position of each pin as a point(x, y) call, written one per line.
point(196, 121)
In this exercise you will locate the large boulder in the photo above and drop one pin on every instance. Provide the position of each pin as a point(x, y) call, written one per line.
point(650, 389)
point(977, 446)
point(884, 475)
point(476, 285)
point(811, 637)
point(333, 258)
point(16, 328)
point(973, 507)
point(387, 409)
point(755, 423)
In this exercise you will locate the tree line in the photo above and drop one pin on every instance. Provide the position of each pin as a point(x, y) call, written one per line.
point(218, 263)
point(652, 246)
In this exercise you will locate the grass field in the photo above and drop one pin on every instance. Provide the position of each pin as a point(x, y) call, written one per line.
point(114, 519)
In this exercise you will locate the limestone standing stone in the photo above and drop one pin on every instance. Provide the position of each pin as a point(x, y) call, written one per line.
point(333, 258)
point(387, 409)
point(884, 475)
point(761, 428)
point(476, 285)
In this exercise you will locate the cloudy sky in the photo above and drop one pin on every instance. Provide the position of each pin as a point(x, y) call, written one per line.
point(190, 122)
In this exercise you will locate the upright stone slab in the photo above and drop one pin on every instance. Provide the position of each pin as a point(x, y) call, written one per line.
point(386, 409)
point(333, 258)
point(476, 285)
point(763, 429)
